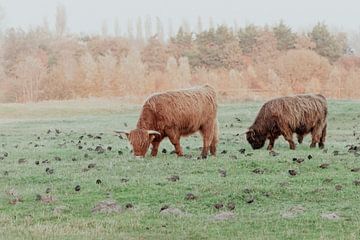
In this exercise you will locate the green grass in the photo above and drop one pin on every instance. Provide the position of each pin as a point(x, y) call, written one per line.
point(274, 191)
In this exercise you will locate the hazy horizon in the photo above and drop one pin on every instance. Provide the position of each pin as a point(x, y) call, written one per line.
point(89, 16)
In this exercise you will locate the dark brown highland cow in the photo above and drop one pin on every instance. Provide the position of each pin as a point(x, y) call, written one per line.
point(300, 114)
point(174, 114)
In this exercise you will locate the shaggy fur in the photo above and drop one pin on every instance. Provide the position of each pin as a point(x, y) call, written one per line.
point(300, 114)
point(174, 114)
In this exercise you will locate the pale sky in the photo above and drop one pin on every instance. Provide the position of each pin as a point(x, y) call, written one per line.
point(87, 16)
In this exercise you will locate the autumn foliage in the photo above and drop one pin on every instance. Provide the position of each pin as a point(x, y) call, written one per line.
point(246, 63)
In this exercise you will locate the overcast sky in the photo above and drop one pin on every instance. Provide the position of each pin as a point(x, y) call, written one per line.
point(87, 16)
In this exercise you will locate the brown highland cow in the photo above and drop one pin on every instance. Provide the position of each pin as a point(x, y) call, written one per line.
point(174, 114)
point(300, 114)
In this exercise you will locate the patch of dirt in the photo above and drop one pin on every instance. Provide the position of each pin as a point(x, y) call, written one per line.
point(357, 182)
point(47, 199)
point(107, 206)
point(173, 178)
point(172, 211)
point(129, 205)
point(190, 196)
point(258, 171)
point(124, 180)
point(218, 205)
point(60, 209)
point(327, 180)
point(22, 160)
point(99, 149)
point(49, 170)
point(330, 216)
point(273, 153)
point(91, 165)
point(324, 165)
point(222, 172)
point(242, 150)
point(338, 187)
point(231, 206)
point(223, 216)
point(77, 188)
point(298, 160)
point(15, 198)
point(293, 212)
point(249, 199)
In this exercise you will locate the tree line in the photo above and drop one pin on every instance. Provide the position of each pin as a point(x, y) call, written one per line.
point(241, 62)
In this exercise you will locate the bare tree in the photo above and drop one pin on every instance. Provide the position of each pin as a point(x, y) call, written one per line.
point(104, 29)
point(29, 72)
point(211, 23)
point(199, 25)
point(46, 25)
point(186, 26)
point(2, 15)
point(148, 27)
point(354, 43)
point(236, 26)
point(60, 24)
point(117, 30)
point(159, 29)
point(184, 72)
point(139, 30)
point(130, 30)
point(107, 71)
point(170, 28)
point(132, 73)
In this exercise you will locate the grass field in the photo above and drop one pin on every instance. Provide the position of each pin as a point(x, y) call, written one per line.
point(39, 201)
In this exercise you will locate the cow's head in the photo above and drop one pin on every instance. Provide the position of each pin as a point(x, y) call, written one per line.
point(140, 140)
point(256, 139)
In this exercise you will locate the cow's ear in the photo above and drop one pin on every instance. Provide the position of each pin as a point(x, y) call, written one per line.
point(152, 134)
point(151, 137)
point(127, 133)
point(251, 133)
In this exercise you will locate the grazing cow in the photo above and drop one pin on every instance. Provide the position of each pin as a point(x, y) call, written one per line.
point(174, 114)
point(300, 114)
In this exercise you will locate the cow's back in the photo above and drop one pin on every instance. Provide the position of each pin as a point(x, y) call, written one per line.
point(294, 111)
point(186, 110)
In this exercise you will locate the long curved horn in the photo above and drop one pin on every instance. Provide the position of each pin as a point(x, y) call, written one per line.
point(153, 132)
point(242, 133)
point(122, 131)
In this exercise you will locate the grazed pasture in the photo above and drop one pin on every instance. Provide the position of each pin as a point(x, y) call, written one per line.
point(60, 160)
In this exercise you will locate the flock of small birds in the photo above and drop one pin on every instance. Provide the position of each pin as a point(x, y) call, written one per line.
point(83, 144)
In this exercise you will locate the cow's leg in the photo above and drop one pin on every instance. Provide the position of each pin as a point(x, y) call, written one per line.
point(215, 139)
point(207, 132)
point(174, 138)
point(322, 138)
point(288, 135)
point(300, 138)
point(316, 134)
point(155, 148)
point(271, 143)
